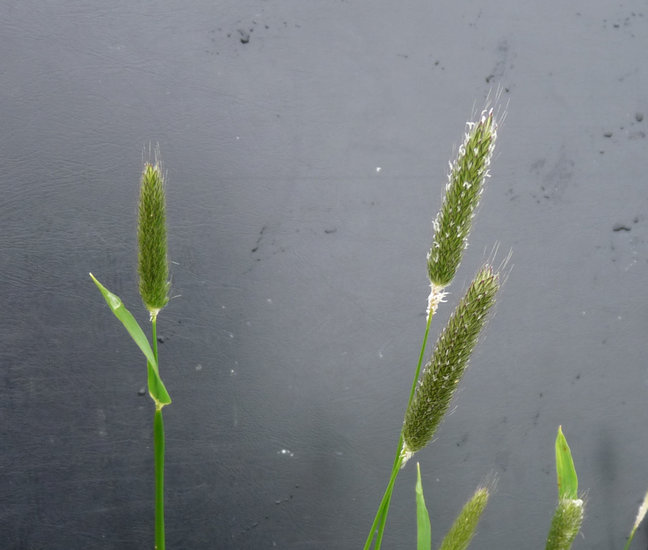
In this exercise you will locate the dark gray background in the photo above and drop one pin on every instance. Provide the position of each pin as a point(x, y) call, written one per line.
point(307, 146)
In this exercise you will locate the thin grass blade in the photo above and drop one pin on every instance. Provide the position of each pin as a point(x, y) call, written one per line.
point(565, 470)
point(156, 386)
point(568, 516)
point(423, 530)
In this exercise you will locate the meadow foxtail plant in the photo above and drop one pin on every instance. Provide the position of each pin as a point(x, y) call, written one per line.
point(569, 512)
point(153, 270)
point(432, 390)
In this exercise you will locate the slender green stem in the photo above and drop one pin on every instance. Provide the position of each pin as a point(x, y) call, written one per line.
point(154, 330)
point(380, 520)
point(386, 501)
point(383, 508)
point(158, 433)
point(158, 444)
point(420, 362)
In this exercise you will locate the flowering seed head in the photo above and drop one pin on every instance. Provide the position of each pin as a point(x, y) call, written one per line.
point(642, 512)
point(463, 528)
point(153, 266)
point(565, 524)
point(449, 360)
point(463, 190)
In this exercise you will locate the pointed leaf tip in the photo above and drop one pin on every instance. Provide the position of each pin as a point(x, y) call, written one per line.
point(565, 470)
point(156, 386)
point(423, 530)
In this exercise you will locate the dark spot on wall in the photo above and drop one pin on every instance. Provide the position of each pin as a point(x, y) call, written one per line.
point(620, 227)
point(259, 239)
point(554, 179)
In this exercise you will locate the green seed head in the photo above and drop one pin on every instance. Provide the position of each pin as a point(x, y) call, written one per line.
point(565, 524)
point(464, 187)
point(451, 354)
point(153, 266)
point(463, 529)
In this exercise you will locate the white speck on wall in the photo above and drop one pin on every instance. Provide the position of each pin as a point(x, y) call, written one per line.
point(286, 452)
point(378, 169)
point(633, 262)
point(101, 421)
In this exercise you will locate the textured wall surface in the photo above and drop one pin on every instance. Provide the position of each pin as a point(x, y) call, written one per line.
point(307, 145)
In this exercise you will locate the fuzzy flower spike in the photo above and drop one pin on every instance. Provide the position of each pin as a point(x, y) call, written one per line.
point(153, 266)
point(448, 363)
point(464, 188)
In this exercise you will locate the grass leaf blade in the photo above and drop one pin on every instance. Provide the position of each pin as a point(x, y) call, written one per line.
point(565, 470)
point(156, 387)
point(568, 516)
point(423, 530)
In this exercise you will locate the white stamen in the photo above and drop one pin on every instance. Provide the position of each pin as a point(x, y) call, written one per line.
point(406, 454)
point(437, 296)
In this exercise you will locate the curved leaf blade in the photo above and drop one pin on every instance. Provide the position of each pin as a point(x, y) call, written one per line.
point(156, 386)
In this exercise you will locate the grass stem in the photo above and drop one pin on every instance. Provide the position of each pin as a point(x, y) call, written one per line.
point(380, 520)
point(158, 444)
point(158, 435)
point(420, 362)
